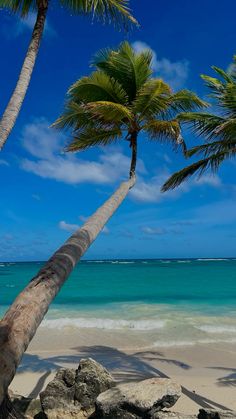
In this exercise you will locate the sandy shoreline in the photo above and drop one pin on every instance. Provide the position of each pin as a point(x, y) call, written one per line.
point(206, 372)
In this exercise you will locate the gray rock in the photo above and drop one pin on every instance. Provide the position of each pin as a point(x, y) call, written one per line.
point(138, 399)
point(72, 393)
point(213, 414)
point(91, 379)
point(29, 408)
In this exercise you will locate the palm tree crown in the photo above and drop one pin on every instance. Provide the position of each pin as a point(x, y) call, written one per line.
point(116, 11)
point(219, 129)
point(120, 99)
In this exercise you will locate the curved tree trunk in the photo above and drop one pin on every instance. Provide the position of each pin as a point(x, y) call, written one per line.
point(21, 321)
point(12, 110)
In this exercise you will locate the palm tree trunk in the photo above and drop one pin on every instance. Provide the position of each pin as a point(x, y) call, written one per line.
point(21, 321)
point(133, 145)
point(12, 110)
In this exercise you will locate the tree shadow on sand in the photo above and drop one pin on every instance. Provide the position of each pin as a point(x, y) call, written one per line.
point(123, 366)
point(227, 380)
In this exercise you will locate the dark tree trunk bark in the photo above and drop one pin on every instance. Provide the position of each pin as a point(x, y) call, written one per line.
point(13, 108)
point(133, 145)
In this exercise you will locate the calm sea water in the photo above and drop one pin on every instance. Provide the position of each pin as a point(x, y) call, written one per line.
point(177, 301)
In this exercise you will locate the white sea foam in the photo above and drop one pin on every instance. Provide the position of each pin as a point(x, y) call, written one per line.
point(211, 259)
point(183, 261)
point(173, 343)
point(108, 324)
point(123, 262)
point(217, 329)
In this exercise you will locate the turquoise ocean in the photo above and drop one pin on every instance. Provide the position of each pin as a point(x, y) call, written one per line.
point(172, 302)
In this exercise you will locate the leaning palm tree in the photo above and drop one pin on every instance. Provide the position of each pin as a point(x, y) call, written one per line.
point(117, 101)
point(219, 129)
point(106, 10)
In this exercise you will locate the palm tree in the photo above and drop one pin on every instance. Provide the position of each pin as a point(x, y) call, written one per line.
point(119, 99)
point(116, 11)
point(219, 129)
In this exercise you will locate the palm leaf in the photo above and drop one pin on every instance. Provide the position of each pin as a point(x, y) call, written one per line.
point(115, 11)
point(97, 86)
point(22, 7)
point(202, 123)
point(201, 166)
point(109, 111)
point(185, 101)
point(92, 137)
point(131, 70)
point(152, 99)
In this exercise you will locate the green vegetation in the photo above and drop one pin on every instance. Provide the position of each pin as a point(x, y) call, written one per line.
point(219, 128)
point(120, 99)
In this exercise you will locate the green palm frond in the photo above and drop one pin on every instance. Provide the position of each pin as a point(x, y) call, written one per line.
point(74, 116)
point(120, 99)
point(109, 112)
point(97, 86)
point(162, 130)
point(130, 69)
point(22, 7)
point(93, 137)
point(202, 123)
point(185, 101)
point(213, 148)
point(115, 11)
point(200, 167)
point(152, 99)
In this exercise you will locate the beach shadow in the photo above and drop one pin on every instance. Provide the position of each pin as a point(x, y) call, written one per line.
point(152, 356)
point(228, 380)
point(135, 368)
point(123, 367)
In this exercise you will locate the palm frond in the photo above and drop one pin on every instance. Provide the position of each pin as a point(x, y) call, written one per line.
point(74, 116)
point(109, 111)
point(162, 130)
point(202, 123)
point(200, 167)
point(213, 148)
point(130, 69)
point(152, 99)
point(186, 101)
point(114, 11)
point(97, 86)
point(91, 137)
point(21, 7)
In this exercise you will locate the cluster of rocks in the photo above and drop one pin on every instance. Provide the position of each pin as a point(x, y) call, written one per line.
point(91, 392)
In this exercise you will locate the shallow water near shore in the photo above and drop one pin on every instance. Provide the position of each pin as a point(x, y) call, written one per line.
point(164, 302)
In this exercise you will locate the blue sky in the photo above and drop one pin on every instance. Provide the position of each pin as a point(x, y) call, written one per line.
point(46, 194)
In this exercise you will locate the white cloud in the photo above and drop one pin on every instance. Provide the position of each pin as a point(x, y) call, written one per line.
point(153, 231)
point(150, 191)
point(211, 180)
point(4, 163)
point(174, 73)
point(47, 161)
point(22, 25)
point(63, 225)
point(67, 227)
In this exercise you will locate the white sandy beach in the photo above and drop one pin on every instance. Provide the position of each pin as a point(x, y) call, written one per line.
point(207, 372)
